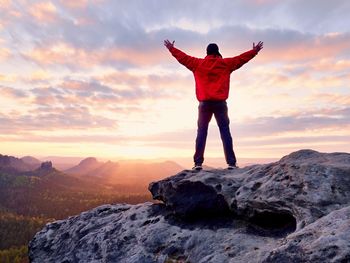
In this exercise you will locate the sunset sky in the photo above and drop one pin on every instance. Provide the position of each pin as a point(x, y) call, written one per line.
point(92, 78)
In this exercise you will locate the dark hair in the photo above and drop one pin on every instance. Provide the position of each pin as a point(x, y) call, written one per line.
point(213, 49)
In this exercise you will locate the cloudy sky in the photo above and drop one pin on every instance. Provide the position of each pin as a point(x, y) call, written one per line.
point(92, 77)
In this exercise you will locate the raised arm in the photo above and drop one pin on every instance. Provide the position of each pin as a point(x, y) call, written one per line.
point(257, 47)
point(189, 62)
point(169, 44)
point(239, 61)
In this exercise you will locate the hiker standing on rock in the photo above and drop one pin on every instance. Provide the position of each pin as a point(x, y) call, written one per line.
point(212, 77)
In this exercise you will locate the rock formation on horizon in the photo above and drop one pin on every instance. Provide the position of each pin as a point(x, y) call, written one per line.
point(294, 210)
point(11, 164)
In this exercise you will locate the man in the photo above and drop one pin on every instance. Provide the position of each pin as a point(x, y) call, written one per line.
point(212, 77)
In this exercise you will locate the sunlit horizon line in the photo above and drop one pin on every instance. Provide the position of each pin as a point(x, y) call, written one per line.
point(125, 158)
point(153, 159)
point(185, 162)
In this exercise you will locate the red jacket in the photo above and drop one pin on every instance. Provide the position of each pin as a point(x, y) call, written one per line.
point(212, 73)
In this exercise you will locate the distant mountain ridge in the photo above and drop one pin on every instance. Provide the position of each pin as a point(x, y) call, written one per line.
point(32, 161)
point(128, 173)
point(124, 172)
point(85, 166)
point(62, 163)
point(10, 164)
point(27, 165)
point(44, 169)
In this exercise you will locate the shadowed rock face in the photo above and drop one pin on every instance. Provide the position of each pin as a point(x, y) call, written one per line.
point(294, 210)
point(304, 185)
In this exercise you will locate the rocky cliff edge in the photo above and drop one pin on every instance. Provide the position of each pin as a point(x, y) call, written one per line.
point(293, 210)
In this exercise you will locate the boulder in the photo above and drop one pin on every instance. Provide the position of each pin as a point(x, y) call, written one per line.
point(293, 210)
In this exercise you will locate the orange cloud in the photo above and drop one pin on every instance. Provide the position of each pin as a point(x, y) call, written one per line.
point(5, 53)
point(5, 3)
point(309, 49)
point(12, 93)
point(45, 12)
point(65, 54)
point(38, 76)
point(8, 13)
point(332, 98)
point(331, 64)
point(78, 4)
point(132, 55)
point(147, 79)
point(320, 47)
point(8, 78)
point(59, 53)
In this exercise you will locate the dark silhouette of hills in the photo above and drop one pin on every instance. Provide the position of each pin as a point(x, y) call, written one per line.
point(26, 166)
point(34, 193)
point(127, 176)
point(10, 164)
point(50, 193)
point(32, 190)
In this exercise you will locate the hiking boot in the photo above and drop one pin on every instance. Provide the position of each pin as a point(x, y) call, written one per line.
point(231, 167)
point(197, 167)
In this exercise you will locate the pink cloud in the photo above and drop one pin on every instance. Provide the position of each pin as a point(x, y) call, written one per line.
point(5, 53)
point(38, 76)
point(155, 83)
point(332, 99)
point(97, 95)
point(76, 4)
point(320, 47)
point(64, 54)
point(8, 14)
point(316, 49)
point(44, 12)
point(331, 64)
point(79, 4)
point(60, 54)
point(12, 92)
point(53, 118)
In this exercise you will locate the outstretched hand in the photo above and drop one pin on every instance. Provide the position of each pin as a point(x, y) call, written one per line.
point(169, 44)
point(258, 47)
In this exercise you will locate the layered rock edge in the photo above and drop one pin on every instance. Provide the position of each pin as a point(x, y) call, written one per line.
point(293, 210)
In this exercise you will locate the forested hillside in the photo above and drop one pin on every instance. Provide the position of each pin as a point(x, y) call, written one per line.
point(28, 202)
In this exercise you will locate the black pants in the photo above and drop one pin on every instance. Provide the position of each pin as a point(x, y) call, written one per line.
point(206, 109)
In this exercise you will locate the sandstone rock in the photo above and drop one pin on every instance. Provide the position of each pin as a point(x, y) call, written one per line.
point(293, 210)
point(325, 240)
point(305, 185)
point(46, 165)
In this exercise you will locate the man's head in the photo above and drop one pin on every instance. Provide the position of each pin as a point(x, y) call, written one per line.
point(213, 49)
